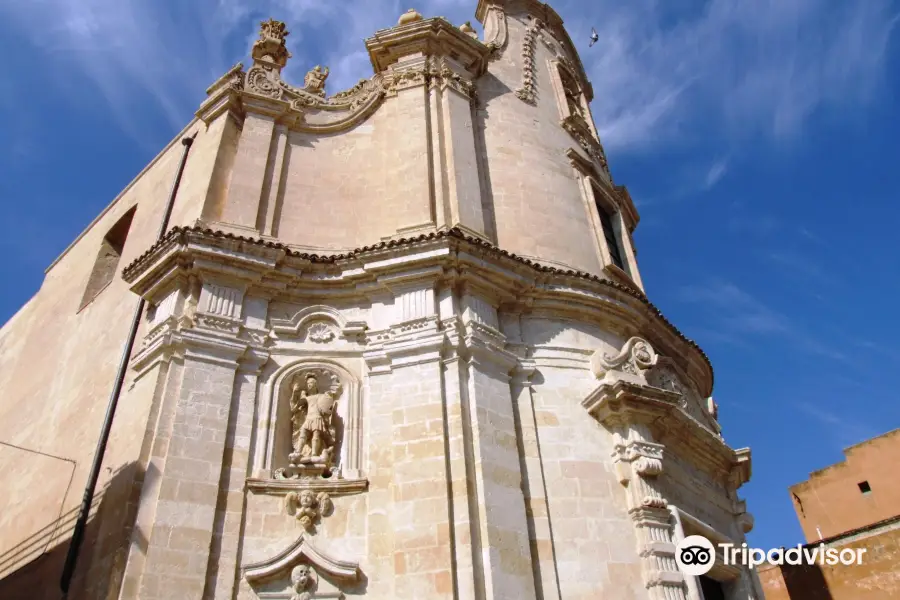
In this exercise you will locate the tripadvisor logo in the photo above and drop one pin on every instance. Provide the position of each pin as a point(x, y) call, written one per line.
point(696, 555)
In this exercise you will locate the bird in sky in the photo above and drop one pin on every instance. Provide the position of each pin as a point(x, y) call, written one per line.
point(594, 37)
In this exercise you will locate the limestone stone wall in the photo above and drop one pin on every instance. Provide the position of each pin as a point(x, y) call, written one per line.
point(532, 189)
point(331, 181)
point(57, 365)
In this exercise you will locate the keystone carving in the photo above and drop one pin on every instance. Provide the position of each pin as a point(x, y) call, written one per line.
point(320, 332)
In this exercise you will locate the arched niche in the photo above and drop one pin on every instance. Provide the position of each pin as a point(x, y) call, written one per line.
point(275, 431)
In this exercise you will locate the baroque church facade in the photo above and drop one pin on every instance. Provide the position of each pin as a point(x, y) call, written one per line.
point(395, 345)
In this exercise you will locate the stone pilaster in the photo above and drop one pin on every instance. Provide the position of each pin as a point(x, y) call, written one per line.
point(503, 524)
point(429, 65)
point(412, 551)
point(180, 536)
point(455, 140)
point(469, 575)
point(248, 175)
point(251, 196)
point(409, 82)
point(533, 485)
point(227, 529)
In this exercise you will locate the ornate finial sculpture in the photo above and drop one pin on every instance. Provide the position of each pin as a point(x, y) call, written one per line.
point(313, 433)
point(270, 48)
point(410, 16)
point(314, 82)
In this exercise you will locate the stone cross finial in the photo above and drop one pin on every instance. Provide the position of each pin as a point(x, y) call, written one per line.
point(270, 48)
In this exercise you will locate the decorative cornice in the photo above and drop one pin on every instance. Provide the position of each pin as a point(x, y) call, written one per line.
point(435, 37)
point(334, 487)
point(263, 257)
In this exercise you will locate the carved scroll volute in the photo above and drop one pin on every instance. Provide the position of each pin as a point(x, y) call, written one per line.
point(631, 363)
point(638, 462)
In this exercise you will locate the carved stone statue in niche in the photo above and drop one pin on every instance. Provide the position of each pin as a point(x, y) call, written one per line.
point(313, 431)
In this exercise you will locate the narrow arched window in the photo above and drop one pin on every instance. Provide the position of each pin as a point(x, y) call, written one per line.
point(107, 261)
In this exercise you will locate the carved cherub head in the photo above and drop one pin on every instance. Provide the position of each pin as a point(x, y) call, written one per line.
point(307, 499)
point(300, 577)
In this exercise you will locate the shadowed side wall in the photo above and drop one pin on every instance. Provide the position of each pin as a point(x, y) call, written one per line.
point(57, 365)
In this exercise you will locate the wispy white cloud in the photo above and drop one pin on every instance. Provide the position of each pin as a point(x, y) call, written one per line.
point(843, 428)
point(742, 319)
point(170, 51)
point(721, 67)
point(715, 174)
point(745, 67)
point(753, 224)
point(804, 267)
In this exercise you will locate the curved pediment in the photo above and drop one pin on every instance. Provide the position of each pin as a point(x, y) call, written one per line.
point(302, 570)
point(318, 323)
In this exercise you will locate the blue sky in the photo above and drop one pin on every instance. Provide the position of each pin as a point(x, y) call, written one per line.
point(759, 138)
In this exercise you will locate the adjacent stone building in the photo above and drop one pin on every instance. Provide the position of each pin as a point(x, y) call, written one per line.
point(396, 346)
point(853, 504)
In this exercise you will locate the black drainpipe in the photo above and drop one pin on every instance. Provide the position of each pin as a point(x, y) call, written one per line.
point(90, 488)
